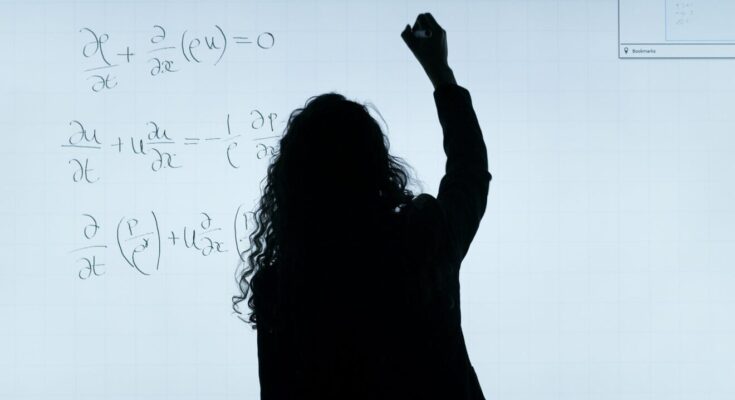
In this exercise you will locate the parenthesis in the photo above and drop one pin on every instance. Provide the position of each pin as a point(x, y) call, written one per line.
point(158, 233)
point(237, 245)
point(182, 46)
point(225, 45)
point(119, 245)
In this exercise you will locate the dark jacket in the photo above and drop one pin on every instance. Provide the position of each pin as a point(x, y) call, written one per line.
point(386, 321)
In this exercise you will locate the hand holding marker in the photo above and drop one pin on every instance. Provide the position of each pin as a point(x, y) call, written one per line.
point(422, 33)
point(428, 42)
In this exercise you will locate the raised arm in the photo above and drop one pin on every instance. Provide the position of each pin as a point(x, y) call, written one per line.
point(462, 198)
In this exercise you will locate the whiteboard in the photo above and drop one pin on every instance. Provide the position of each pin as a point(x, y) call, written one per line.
point(603, 268)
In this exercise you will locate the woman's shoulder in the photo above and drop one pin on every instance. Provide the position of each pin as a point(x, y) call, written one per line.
point(424, 201)
point(425, 218)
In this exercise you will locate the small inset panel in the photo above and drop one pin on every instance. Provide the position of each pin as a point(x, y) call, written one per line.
point(676, 28)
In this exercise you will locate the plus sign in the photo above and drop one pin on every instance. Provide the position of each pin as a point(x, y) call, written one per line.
point(127, 53)
point(173, 238)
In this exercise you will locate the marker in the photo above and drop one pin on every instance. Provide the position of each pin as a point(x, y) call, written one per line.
point(422, 33)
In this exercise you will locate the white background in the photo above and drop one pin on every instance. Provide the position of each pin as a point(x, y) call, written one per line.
point(603, 268)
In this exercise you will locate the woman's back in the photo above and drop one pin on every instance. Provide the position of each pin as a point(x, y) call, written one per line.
point(381, 321)
point(372, 307)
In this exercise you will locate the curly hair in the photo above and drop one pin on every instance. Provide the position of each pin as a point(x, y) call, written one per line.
point(332, 150)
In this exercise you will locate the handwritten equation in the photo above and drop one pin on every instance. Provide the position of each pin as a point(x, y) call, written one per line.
point(141, 240)
point(165, 53)
point(160, 148)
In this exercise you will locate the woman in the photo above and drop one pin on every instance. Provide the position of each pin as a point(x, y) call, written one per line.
point(354, 281)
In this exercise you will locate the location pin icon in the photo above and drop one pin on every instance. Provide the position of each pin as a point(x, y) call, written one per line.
point(625, 49)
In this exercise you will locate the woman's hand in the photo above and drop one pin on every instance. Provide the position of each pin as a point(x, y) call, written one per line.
point(428, 42)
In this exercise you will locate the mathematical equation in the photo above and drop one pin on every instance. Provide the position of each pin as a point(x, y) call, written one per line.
point(141, 240)
point(158, 146)
point(163, 49)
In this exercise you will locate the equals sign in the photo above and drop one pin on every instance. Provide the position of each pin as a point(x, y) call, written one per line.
point(190, 140)
point(241, 39)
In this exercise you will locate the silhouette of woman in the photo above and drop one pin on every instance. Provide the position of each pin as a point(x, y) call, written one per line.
point(353, 280)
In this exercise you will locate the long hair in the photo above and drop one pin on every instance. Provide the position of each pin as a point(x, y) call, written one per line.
point(332, 159)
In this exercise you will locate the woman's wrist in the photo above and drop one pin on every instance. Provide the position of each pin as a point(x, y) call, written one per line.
point(442, 75)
